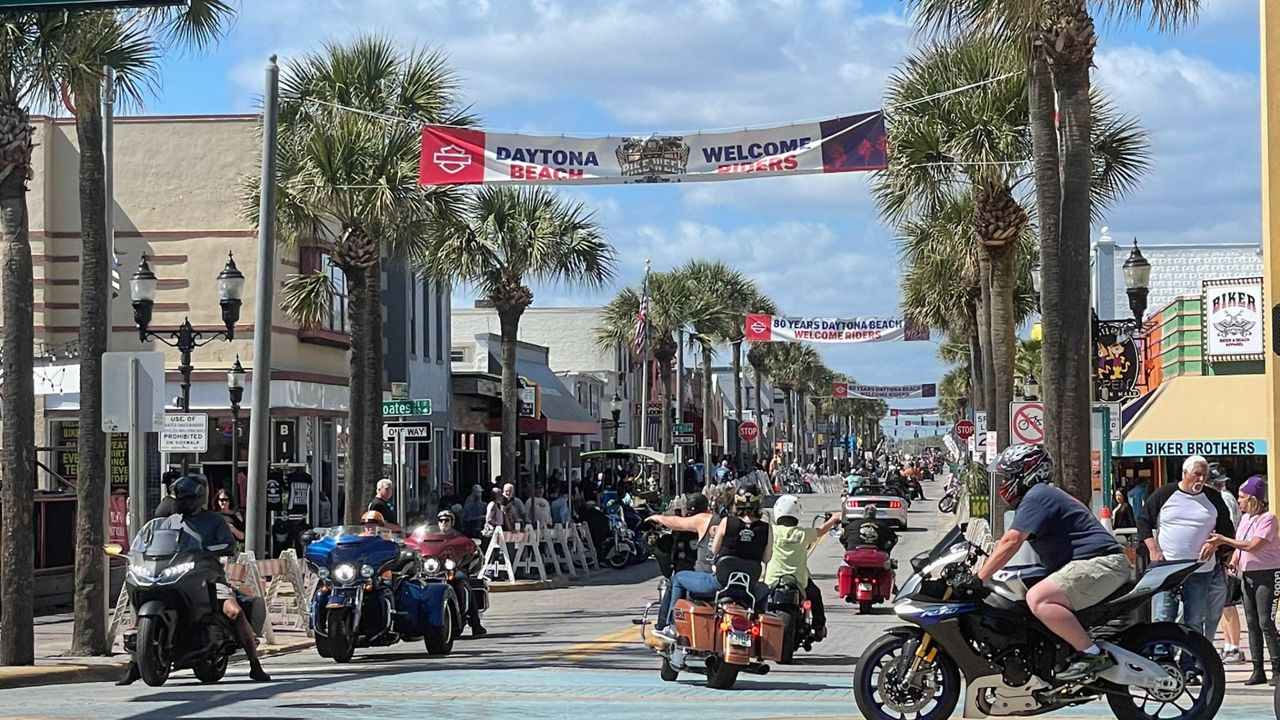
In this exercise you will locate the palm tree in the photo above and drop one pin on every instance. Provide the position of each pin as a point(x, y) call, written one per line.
point(754, 302)
point(81, 44)
point(348, 183)
point(758, 359)
point(1056, 41)
point(789, 366)
point(506, 238)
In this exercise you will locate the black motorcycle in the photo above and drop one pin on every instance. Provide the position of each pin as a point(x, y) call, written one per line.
point(1010, 661)
point(788, 601)
point(171, 587)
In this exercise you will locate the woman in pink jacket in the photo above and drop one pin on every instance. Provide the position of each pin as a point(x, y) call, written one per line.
point(1257, 560)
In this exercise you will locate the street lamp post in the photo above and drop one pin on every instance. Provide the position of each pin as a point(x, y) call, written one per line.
point(1030, 388)
point(1137, 282)
point(235, 389)
point(615, 409)
point(142, 287)
point(1036, 282)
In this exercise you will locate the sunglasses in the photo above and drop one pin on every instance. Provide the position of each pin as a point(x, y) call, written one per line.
point(224, 500)
point(444, 520)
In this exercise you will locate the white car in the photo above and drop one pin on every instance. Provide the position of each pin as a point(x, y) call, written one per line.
point(890, 507)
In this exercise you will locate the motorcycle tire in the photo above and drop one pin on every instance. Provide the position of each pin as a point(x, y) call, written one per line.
point(790, 634)
point(322, 646)
point(439, 639)
point(866, 682)
point(342, 637)
point(720, 674)
point(1144, 640)
point(153, 665)
point(211, 671)
point(617, 555)
point(864, 607)
point(668, 673)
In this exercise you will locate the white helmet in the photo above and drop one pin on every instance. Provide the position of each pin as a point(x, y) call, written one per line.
point(786, 506)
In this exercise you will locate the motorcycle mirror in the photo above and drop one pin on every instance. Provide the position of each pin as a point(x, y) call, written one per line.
point(308, 536)
point(113, 549)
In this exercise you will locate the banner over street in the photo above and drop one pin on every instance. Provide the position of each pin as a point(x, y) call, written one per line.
point(841, 389)
point(462, 156)
point(772, 328)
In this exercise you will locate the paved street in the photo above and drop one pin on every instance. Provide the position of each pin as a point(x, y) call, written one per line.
point(549, 654)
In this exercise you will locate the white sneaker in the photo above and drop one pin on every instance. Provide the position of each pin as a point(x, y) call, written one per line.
point(1234, 655)
point(666, 634)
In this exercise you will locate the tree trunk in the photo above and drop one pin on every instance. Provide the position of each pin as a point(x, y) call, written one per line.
point(760, 439)
point(1003, 338)
point(1074, 327)
point(737, 400)
point(1044, 142)
point(364, 421)
point(802, 427)
point(664, 443)
point(976, 386)
point(17, 438)
point(708, 461)
point(984, 335)
point(89, 634)
point(373, 380)
point(509, 324)
point(789, 419)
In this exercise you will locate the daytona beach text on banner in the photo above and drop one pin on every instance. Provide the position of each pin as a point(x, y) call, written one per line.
point(772, 328)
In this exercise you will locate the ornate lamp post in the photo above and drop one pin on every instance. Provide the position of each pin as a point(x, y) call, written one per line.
point(615, 409)
point(1030, 388)
point(1137, 282)
point(142, 288)
point(235, 390)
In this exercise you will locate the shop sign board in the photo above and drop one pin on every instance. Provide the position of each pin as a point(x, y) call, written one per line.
point(1233, 320)
point(1183, 448)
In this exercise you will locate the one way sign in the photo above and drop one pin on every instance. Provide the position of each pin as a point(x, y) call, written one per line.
point(409, 432)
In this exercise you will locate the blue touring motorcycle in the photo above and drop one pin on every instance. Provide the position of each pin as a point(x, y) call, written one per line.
point(988, 638)
point(370, 594)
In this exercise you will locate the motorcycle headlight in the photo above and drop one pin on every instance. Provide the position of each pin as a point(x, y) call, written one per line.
point(366, 571)
point(176, 570)
point(345, 572)
point(322, 573)
point(432, 565)
point(140, 572)
point(449, 564)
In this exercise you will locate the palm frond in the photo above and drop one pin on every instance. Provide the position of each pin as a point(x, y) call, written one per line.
point(308, 298)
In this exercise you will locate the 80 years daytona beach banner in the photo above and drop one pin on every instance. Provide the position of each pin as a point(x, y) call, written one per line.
point(772, 328)
point(462, 156)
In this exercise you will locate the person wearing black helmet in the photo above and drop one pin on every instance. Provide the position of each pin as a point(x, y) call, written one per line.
point(189, 497)
point(1086, 561)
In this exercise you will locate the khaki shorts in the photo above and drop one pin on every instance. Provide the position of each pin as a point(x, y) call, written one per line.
point(1089, 582)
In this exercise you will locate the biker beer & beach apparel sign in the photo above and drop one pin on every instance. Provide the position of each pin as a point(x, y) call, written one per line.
point(462, 156)
point(773, 328)
point(1233, 319)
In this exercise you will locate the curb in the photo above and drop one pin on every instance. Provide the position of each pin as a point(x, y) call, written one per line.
point(14, 677)
point(555, 583)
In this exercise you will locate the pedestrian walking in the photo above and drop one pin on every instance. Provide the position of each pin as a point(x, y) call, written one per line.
point(1175, 524)
point(1257, 560)
point(1138, 494)
point(1230, 625)
point(1122, 513)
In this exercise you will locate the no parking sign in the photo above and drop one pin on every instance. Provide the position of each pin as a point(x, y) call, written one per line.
point(1026, 422)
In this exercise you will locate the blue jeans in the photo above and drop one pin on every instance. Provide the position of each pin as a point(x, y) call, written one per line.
point(691, 583)
point(1204, 595)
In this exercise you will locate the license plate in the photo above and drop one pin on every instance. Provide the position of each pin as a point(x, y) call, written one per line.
point(740, 639)
point(864, 586)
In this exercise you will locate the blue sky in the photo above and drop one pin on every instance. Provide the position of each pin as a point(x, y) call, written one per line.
point(813, 243)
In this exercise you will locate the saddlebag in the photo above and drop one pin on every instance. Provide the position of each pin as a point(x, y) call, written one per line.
point(772, 632)
point(696, 622)
point(844, 581)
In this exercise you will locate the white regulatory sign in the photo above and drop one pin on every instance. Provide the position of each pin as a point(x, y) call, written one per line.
point(420, 432)
point(185, 433)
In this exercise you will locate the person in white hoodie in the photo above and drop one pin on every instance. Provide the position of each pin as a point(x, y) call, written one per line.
point(1230, 625)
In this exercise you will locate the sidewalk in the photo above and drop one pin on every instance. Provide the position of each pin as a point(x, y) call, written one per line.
point(54, 664)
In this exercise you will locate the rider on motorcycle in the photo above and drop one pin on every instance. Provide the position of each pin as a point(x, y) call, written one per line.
point(698, 519)
point(742, 535)
point(471, 565)
point(1087, 562)
point(791, 545)
point(190, 495)
point(872, 534)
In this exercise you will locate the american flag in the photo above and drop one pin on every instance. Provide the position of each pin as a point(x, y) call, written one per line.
point(640, 339)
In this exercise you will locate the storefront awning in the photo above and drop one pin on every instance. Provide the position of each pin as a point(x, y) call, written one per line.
point(1201, 415)
point(561, 413)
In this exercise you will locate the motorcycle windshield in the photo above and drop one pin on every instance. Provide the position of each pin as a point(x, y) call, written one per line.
point(163, 538)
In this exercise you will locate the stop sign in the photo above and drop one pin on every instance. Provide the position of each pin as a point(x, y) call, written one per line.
point(964, 429)
point(748, 430)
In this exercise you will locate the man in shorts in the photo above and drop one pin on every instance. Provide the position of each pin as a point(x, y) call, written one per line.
point(1087, 562)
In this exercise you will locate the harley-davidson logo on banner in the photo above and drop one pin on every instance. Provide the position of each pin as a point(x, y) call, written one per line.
point(884, 392)
point(771, 328)
point(461, 156)
point(1233, 321)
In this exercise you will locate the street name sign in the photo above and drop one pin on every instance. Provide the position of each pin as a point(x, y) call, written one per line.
point(185, 433)
point(409, 432)
point(402, 408)
point(682, 428)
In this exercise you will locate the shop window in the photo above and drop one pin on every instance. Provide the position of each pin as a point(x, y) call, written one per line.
point(335, 323)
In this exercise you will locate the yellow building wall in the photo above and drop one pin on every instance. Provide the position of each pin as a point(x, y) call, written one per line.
point(1270, 66)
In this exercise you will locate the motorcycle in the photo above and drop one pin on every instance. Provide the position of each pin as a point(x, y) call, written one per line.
point(179, 621)
point(787, 600)
point(720, 638)
point(452, 559)
point(950, 499)
point(865, 576)
point(370, 595)
point(620, 548)
point(1010, 661)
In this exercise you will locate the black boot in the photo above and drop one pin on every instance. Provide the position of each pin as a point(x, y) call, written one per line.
point(1259, 676)
point(1275, 671)
point(131, 674)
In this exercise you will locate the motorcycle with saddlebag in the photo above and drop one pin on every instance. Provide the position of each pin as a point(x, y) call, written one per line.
point(453, 559)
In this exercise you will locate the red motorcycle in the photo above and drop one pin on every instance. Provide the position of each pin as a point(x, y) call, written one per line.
point(866, 577)
point(451, 557)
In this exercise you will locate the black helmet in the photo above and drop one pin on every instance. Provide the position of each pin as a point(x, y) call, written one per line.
point(696, 504)
point(1021, 467)
point(870, 512)
point(190, 494)
point(747, 500)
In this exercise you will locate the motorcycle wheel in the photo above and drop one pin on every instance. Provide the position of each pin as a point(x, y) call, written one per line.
point(211, 671)
point(789, 633)
point(617, 555)
point(668, 673)
point(947, 504)
point(439, 639)
point(322, 646)
point(342, 638)
point(1181, 655)
point(878, 699)
point(720, 674)
point(864, 607)
point(153, 663)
